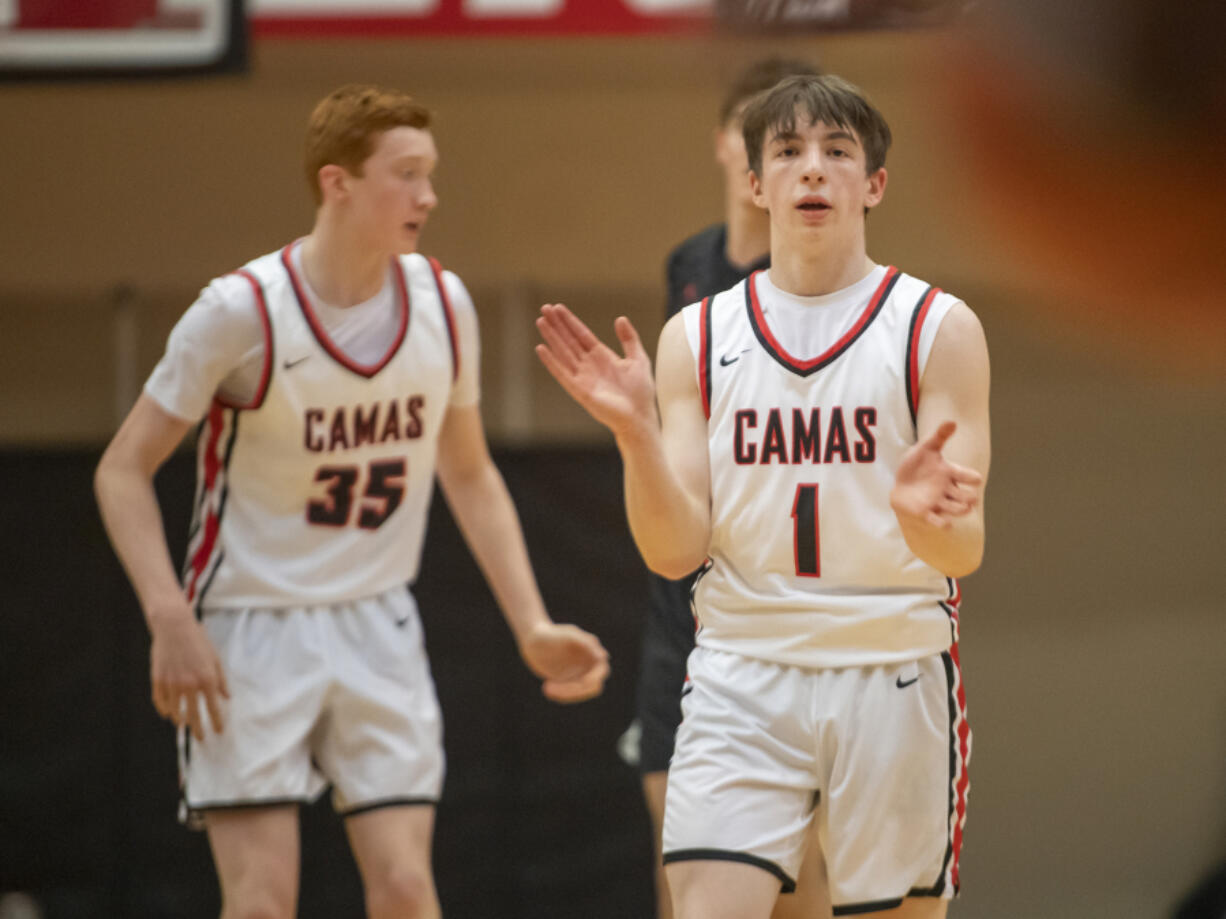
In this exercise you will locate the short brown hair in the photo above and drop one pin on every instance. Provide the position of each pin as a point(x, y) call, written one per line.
point(828, 99)
point(346, 123)
point(757, 77)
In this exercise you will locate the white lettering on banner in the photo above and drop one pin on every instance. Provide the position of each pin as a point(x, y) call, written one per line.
point(408, 8)
point(509, 8)
point(475, 9)
point(669, 7)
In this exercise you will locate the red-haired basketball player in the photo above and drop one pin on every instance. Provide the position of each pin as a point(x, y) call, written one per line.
point(334, 378)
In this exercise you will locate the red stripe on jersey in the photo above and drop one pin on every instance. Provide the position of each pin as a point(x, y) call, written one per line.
point(704, 356)
point(266, 374)
point(852, 333)
point(913, 357)
point(321, 334)
point(447, 313)
point(212, 523)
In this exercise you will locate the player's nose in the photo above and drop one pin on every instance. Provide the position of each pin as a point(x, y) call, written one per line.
point(427, 198)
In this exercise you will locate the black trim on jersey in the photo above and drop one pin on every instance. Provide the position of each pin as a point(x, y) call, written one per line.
point(320, 334)
point(873, 906)
point(911, 329)
point(882, 294)
point(939, 887)
point(221, 507)
point(387, 802)
point(727, 855)
point(705, 567)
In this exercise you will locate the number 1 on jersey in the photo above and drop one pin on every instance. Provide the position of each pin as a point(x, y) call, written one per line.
point(806, 539)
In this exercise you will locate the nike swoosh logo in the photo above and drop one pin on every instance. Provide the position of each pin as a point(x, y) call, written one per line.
point(288, 364)
point(400, 622)
point(726, 360)
point(903, 684)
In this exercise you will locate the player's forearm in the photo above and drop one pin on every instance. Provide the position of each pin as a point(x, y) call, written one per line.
point(486, 516)
point(128, 505)
point(671, 530)
point(955, 551)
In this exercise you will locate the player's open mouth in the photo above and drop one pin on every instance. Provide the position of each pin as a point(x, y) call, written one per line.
point(813, 206)
point(413, 227)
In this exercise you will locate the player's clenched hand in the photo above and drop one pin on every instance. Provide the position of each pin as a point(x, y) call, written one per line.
point(184, 667)
point(929, 488)
point(573, 663)
point(616, 391)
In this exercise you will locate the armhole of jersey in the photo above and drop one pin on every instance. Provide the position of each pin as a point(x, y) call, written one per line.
point(448, 315)
point(704, 355)
point(261, 306)
point(918, 315)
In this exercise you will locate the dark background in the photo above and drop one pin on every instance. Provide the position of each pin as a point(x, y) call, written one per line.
point(539, 817)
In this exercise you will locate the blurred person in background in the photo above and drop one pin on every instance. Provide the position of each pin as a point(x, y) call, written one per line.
point(335, 378)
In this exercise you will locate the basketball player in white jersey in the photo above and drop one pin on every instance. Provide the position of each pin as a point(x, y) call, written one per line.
point(821, 449)
point(335, 377)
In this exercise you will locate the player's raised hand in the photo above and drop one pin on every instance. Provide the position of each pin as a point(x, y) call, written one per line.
point(184, 670)
point(572, 663)
point(617, 391)
point(929, 488)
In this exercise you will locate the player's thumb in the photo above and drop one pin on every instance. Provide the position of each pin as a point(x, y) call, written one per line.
point(631, 345)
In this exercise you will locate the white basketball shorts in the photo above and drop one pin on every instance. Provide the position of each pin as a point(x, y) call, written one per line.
point(338, 694)
point(877, 755)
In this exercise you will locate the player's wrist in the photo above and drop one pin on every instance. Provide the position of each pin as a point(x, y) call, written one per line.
point(167, 613)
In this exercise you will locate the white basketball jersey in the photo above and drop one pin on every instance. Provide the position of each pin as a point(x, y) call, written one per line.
point(317, 491)
point(808, 566)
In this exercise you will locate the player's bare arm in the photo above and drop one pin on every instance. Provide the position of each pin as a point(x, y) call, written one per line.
point(183, 663)
point(665, 477)
point(939, 488)
point(572, 662)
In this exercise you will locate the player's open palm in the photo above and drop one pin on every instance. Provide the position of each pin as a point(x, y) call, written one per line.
point(929, 488)
point(616, 391)
point(185, 670)
point(572, 663)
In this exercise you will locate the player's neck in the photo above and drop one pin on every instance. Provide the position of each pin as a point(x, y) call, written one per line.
point(748, 236)
point(810, 271)
point(340, 270)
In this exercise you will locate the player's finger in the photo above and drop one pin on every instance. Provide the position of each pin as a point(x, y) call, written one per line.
point(567, 330)
point(952, 507)
point(964, 475)
point(936, 440)
point(191, 715)
point(223, 685)
point(559, 373)
point(213, 703)
point(936, 520)
point(563, 349)
point(588, 686)
point(584, 337)
point(161, 699)
point(632, 345)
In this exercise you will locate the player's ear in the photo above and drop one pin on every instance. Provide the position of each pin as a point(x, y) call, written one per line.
point(876, 187)
point(755, 188)
point(333, 182)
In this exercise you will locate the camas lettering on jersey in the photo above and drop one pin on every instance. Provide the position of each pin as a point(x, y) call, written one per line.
point(795, 438)
point(352, 426)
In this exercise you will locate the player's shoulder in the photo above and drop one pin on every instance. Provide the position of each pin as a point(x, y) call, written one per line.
point(427, 271)
point(914, 294)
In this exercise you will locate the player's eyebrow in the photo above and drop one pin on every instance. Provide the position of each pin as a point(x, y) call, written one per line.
point(840, 134)
point(784, 137)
